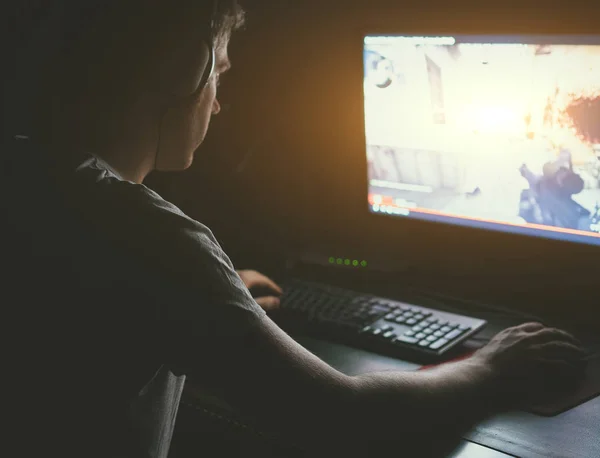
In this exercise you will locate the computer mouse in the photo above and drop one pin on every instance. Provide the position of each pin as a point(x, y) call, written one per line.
point(559, 383)
point(571, 392)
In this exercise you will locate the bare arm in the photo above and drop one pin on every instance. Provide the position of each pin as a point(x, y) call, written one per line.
point(274, 379)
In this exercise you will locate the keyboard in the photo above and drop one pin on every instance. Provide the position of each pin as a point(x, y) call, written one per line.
point(374, 323)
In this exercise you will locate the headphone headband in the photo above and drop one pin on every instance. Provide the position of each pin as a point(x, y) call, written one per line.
point(187, 68)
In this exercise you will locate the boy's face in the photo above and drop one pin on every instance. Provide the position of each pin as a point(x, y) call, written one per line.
point(186, 123)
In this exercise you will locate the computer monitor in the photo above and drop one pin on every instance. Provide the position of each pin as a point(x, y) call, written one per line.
point(499, 133)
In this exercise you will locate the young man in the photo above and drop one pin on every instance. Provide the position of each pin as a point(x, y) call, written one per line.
point(118, 295)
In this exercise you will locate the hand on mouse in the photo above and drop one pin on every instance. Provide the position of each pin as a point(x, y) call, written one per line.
point(255, 280)
point(531, 362)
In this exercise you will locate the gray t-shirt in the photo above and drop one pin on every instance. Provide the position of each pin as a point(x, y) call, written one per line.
point(139, 291)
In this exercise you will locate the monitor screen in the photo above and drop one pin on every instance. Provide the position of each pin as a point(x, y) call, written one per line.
point(499, 133)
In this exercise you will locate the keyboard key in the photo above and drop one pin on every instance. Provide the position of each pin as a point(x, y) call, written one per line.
point(389, 335)
point(417, 328)
point(390, 317)
point(427, 331)
point(379, 310)
point(431, 338)
point(453, 325)
point(411, 321)
point(376, 332)
point(408, 314)
point(438, 344)
point(410, 333)
point(453, 334)
point(463, 327)
point(420, 335)
point(386, 328)
point(359, 301)
point(425, 313)
point(419, 317)
point(446, 329)
point(424, 343)
point(443, 322)
point(400, 319)
point(358, 315)
point(406, 340)
point(366, 329)
point(435, 327)
point(438, 334)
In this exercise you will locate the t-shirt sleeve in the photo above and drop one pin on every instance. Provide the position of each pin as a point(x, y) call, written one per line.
point(197, 296)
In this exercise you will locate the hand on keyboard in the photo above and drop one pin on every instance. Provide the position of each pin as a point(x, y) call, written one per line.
point(264, 290)
point(531, 361)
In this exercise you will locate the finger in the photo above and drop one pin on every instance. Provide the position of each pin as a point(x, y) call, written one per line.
point(532, 326)
point(268, 303)
point(264, 281)
point(255, 279)
point(553, 334)
point(562, 350)
point(247, 277)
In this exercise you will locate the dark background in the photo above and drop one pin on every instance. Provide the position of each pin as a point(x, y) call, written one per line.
point(283, 170)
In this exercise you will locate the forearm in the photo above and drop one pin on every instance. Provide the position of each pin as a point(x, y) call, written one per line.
point(377, 412)
point(425, 400)
point(278, 383)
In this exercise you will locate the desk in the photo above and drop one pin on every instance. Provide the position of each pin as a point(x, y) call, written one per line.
point(572, 434)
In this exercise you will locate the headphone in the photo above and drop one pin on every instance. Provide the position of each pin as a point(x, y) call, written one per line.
point(185, 71)
point(185, 68)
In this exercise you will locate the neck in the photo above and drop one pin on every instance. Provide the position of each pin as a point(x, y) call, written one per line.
point(130, 163)
point(130, 150)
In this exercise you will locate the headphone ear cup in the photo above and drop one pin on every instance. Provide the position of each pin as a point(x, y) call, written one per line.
point(186, 70)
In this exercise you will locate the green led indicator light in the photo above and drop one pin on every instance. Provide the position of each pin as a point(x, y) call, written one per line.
point(347, 262)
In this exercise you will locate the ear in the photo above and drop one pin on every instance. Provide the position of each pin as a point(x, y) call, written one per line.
point(186, 69)
point(178, 51)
